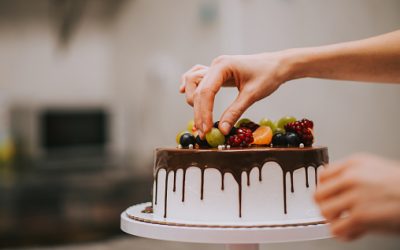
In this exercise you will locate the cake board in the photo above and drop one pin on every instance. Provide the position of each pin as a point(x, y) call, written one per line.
point(235, 238)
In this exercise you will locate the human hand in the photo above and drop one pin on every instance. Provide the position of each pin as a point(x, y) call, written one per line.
point(255, 76)
point(360, 195)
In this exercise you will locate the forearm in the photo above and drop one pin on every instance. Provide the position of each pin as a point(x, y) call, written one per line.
point(375, 59)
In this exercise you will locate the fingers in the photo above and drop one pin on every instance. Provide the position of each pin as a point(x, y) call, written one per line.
point(332, 171)
point(191, 73)
point(190, 88)
point(233, 112)
point(347, 228)
point(205, 95)
point(333, 180)
point(332, 188)
point(334, 207)
point(192, 80)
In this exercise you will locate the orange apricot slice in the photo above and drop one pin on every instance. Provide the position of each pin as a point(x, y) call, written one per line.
point(262, 135)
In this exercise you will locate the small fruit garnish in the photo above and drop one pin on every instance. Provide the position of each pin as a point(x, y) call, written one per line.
point(202, 143)
point(304, 129)
point(269, 123)
point(292, 139)
point(178, 136)
point(187, 139)
point(190, 126)
point(279, 140)
point(262, 135)
point(216, 124)
point(308, 123)
point(215, 138)
point(148, 210)
point(279, 130)
point(285, 120)
point(243, 120)
point(233, 131)
point(243, 137)
point(250, 125)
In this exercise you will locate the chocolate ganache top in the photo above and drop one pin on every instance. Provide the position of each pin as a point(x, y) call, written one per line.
point(237, 161)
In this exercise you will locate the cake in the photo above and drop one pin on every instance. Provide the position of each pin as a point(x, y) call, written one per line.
point(269, 185)
point(250, 184)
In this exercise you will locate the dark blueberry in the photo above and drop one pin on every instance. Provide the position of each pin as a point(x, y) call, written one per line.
point(279, 140)
point(202, 143)
point(292, 139)
point(216, 124)
point(187, 139)
point(233, 131)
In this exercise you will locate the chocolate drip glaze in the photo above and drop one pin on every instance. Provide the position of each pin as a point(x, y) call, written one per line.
point(236, 162)
point(183, 185)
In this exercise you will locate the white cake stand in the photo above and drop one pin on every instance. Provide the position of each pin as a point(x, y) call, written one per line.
point(236, 238)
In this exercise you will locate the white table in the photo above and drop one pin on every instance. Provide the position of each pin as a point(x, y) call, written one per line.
point(234, 238)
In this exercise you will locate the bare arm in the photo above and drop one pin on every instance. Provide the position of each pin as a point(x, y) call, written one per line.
point(375, 59)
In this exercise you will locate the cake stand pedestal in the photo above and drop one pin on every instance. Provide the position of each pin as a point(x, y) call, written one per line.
point(235, 238)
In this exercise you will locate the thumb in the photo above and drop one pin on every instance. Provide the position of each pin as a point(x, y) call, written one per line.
point(234, 112)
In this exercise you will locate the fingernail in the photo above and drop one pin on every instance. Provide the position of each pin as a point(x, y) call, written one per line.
point(204, 127)
point(225, 127)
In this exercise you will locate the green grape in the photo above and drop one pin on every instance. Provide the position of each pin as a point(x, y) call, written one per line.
point(190, 125)
point(243, 120)
point(279, 130)
point(285, 120)
point(215, 138)
point(269, 123)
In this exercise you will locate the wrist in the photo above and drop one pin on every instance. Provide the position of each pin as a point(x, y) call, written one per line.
point(296, 63)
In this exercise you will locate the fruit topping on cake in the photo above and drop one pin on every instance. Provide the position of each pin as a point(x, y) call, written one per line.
point(242, 137)
point(187, 139)
point(292, 139)
point(201, 143)
point(250, 125)
point(215, 138)
point(190, 126)
point(286, 132)
point(178, 136)
point(279, 140)
point(304, 129)
point(285, 120)
point(262, 135)
point(269, 123)
point(148, 210)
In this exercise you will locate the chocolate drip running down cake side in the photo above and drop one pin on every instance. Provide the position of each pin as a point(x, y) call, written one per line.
point(271, 185)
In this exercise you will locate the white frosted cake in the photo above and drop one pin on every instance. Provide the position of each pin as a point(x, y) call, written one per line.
point(252, 186)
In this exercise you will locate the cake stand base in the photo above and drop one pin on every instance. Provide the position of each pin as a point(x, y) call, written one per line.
point(235, 238)
point(242, 246)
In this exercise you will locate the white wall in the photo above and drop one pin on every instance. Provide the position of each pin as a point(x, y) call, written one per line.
point(34, 68)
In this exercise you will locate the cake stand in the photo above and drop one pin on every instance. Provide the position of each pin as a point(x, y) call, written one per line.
point(134, 222)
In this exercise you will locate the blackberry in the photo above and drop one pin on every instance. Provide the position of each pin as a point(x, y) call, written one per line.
point(242, 138)
point(304, 129)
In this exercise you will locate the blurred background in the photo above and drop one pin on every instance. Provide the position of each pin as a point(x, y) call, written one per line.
point(88, 88)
